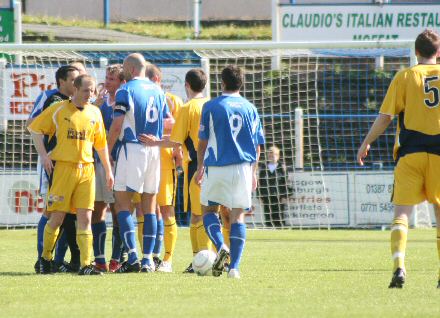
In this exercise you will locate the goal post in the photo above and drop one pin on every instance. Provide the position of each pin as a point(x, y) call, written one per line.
point(315, 108)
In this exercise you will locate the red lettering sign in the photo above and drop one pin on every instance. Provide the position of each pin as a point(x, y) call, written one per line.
point(28, 200)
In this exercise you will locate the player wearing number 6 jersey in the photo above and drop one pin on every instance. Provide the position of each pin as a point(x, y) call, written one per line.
point(140, 107)
point(413, 96)
point(230, 136)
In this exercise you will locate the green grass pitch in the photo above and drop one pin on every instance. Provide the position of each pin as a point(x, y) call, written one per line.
point(307, 273)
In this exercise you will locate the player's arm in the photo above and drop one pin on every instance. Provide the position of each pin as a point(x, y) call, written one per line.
point(393, 104)
point(115, 131)
point(255, 169)
point(105, 160)
point(201, 149)
point(380, 124)
point(39, 145)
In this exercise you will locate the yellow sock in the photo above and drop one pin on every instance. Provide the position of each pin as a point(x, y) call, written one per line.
point(438, 249)
point(50, 237)
point(84, 239)
point(399, 234)
point(193, 236)
point(202, 238)
point(169, 238)
point(140, 221)
point(226, 234)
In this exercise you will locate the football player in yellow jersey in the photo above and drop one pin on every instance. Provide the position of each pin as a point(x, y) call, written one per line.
point(77, 127)
point(185, 132)
point(413, 96)
point(166, 219)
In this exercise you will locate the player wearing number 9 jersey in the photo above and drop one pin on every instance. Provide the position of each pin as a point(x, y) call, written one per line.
point(230, 136)
point(413, 96)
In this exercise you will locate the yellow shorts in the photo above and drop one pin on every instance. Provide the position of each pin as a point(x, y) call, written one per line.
point(191, 191)
point(71, 187)
point(416, 179)
point(167, 187)
point(136, 198)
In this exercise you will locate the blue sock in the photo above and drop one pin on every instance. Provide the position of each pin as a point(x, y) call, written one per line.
point(150, 230)
point(213, 229)
point(99, 231)
point(128, 235)
point(40, 234)
point(237, 238)
point(61, 248)
point(159, 238)
point(116, 244)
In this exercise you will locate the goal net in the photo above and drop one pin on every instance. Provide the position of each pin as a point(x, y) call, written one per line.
point(316, 105)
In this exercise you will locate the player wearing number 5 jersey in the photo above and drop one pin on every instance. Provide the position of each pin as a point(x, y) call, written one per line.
point(414, 97)
point(140, 107)
point(230, 136)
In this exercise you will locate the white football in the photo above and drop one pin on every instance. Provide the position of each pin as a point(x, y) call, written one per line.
point(202, 262)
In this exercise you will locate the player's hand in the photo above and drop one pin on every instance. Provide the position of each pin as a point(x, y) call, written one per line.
point(362, 153)
point(110, 181)
point(100, 98)
point(254, 182)
point(199, 175)
point(47, 164)
point(149, 140)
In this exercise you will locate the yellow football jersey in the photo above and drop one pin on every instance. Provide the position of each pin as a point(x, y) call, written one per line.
point(186, 128)
point(166, 154)
point(414, 95)
point(76, 131)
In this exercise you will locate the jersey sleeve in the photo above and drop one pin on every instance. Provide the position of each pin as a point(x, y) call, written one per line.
point(393, 103)
point(100, 140)
point(44, 123)
point(204, 123)
point(259, 133)
point(122, 102)
point(180, 128)
point(38, 105)
point(164, 106)
point(51, 101)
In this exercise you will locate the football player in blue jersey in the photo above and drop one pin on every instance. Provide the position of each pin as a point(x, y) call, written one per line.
point(230, 136)
point(114, 78)
point(140, 108)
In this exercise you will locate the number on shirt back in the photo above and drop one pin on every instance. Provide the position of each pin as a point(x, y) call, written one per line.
point(236, 122)
point(433, 92)
point(152, 111)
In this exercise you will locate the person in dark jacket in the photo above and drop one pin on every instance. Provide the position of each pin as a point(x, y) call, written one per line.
point(273, 188)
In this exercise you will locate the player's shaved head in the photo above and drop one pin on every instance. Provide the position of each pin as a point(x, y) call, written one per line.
point(134, 66)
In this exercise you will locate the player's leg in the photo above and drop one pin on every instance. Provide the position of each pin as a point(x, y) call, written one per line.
point(83, 200)
point(44, 184)
point(61, 247)
point(203, 240)
point(51, 231)
point(99, 231)
point(127, 231)
point(159, 238)
point(226, 224)
point(150, 231)
point(409, 189)
point(84, 237)
point(137, 207)
point(69, 226)
point(170, 237)
point(437, 218)
point(238, 238)
point(117, 245)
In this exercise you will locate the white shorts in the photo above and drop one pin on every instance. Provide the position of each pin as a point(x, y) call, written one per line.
point(44, 181)
point(230, 186)
point(101, 192)
point(137, 169)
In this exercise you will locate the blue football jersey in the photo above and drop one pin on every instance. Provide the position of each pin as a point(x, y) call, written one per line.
point(233, 129)
point(144, 105)
point(39, 102)
point(107, 117)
